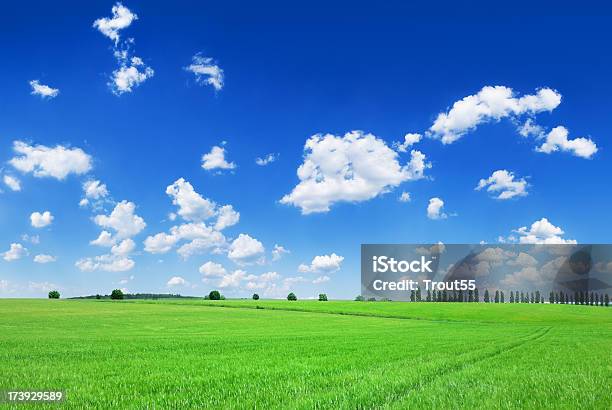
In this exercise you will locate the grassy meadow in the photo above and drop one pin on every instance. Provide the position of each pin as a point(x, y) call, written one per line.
point(305, 354)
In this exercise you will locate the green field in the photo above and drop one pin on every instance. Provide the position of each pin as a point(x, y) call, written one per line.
point(228, 354)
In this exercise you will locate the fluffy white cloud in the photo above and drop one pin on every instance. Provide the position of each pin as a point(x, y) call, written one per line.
point(42, 258)
point(123, 248)
point(490, 104)
point(321, 279)
point(215, 159)
point(43, 90)
point(557, 140)
point(110, 27)
point(235, 278)
point(176, 281)
point(278, 252)
point(266, 159)
point(523, 259)
point(206, 71)
point(57, 162)
point(201, 237)
point(130, 74)
point(212, 269)
point(226, 216)
point(352, 168)
point(192, 207)
point(122, 220)
point(107, 263)
point(542, 232)
point(40, 220)
point(104, 239)
point(245, 249)
point(405, 197)
point(35, 239)
point(94, 189)
point(434, 209)
point(13, 183)
point(409, 140)
point(530, 129)
point(504, 182)
point(323, 263)
point(16, 251)
point(532, 275)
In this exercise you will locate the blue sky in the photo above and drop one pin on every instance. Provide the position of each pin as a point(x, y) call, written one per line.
point(271, 77)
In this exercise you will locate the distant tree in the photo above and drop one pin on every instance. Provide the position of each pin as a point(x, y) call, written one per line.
point(255, 296)
point(429, 296)
point(214, 295)
point(606, 300)
point(54, 294)
point(497, 296)
point(291, 296)
point(522, 297)
point(117, 294)
point(460, 296)
point(371, 299)
point(486, 296)
point(470, 295)
point(434, 297)
point(576, 298)
point(418, 295)
point(601, 300)
point(532, 299)
point(511, 297)
point(444, 296)
point(476, 297)
point(592, 299)
point(501, 296)
point(222, 297)
point(98, 296)
point(516, 297)
point(412, 296)
point(537, 296)
point(359, 298)
point(322, 297)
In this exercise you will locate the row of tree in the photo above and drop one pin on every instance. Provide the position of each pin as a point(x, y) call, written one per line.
point(579, 298)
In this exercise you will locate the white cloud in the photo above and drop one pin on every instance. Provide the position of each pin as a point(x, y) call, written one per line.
point(490, 104)
point(43, 90)
point(226, 216)
point(523, 259)
point(323, 263)
point(531, 275)
point(212, 269)
point(130, 74)
point(57, 162)
point(104, 239)
point(123, 220)
point(321, 279)
point(557, 140)
point(409, 140)
point(201, 237)
point(542, 232)
point(15, 252)
point(267, 159)
point(278, 252)
point(110, 27)
point(176, 281)
point(504, 182)
point(42, 286)
point(39, 220)
point(434, 209)
point(215, 159)
point(234, 279)
point(42, 258)
point(94, 189)
point(405, 197)
point(206, 71)
point(192, 207)
point(530, 129)
point(107, 263)
point(35, 239)
point(13, 183)
point(245, 249)
point(124, 248)
point(355, 167)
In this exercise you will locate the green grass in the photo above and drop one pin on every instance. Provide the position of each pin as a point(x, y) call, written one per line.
point(229, 354)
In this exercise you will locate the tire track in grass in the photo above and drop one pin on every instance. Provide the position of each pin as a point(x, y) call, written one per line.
point(461, 365)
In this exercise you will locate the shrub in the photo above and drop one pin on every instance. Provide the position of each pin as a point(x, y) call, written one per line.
point(214, 295)
point(117, 294)
point(222, 297)
point(54, 294)
point(255, 296)
point(359, 298)
point(291, 296)
point(322, 297)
